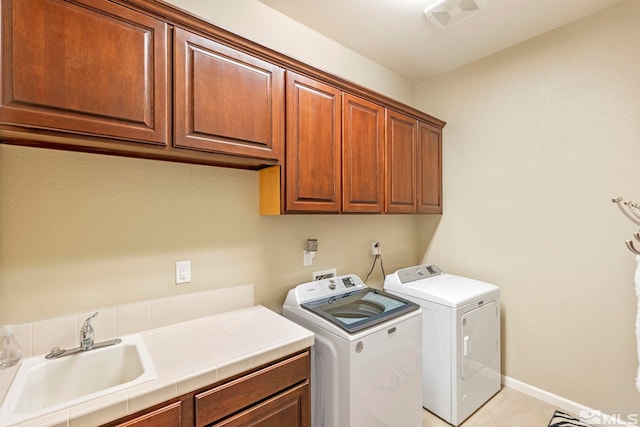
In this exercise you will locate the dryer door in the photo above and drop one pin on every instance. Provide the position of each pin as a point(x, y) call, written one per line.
point(480, 338)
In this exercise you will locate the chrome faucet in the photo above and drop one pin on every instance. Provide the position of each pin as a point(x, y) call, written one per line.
point(86, 341)
point(86, 333)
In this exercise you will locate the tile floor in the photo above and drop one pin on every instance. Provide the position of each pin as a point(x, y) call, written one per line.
point(508, 408)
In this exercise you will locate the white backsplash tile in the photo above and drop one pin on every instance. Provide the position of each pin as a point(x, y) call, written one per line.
point(165, 311)
point(23, 334)
point(133, 318)
point(227, 299)
point(60, 332)
point(39, 337)
point(193, 306)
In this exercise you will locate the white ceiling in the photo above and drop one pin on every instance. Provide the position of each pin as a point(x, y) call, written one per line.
point(397, 34)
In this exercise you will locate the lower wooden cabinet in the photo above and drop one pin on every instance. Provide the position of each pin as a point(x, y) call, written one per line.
point(166, 416)
point(288, 409)
point(274, 395)
point(239, 396)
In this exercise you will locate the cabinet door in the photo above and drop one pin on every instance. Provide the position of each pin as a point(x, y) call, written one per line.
point(90, 67)
point(167, 416)
point(401, 163)
point(313, 169)
point(226, 101)
point(429, 169)
point(221, 402)
point(362, 155)
point(288, 409)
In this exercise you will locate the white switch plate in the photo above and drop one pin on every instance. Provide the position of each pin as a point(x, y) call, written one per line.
point(183, 272)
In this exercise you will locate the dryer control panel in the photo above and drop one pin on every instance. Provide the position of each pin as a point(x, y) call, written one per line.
point(419, 272)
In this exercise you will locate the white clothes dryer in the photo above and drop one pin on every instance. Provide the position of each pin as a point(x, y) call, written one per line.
point(366, 364)
point(460, 338)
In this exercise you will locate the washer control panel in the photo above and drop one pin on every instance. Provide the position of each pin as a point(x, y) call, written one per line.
point(419, 272)
point(327, 287)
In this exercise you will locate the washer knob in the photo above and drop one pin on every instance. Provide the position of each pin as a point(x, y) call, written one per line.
point(332, 284)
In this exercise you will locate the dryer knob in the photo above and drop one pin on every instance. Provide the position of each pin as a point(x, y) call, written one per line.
point(332, 284)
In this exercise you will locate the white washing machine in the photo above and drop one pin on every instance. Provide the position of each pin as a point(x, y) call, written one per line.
point(366, 364)
point(460, 338)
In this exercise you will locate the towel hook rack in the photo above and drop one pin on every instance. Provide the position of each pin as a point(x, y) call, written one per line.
point(631, 247)
point(632, 211)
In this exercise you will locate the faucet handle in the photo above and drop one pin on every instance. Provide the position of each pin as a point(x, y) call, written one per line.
point(86, 333)
point(87, 321)
point(86, 326)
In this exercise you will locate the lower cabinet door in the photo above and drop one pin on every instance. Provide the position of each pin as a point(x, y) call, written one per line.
point(167, 416)
point(288, 409)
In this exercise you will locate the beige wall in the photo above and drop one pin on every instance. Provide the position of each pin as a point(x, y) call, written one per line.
point(82, 231)
point(539, 139)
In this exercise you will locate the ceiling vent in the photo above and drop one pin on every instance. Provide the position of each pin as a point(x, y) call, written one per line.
point(446, 13)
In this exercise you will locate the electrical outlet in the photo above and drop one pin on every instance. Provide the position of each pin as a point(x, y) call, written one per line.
point(324, 274)
point(376, 249)
point(183, 272)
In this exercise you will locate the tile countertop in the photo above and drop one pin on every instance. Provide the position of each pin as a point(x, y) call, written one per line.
point(188, 356)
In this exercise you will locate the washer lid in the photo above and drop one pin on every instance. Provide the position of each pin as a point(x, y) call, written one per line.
point(442, 288)
point(360, 309)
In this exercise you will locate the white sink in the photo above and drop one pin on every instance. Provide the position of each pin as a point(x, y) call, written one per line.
point(42, 386)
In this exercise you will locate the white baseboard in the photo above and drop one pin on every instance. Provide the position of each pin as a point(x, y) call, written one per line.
point(545, 396)
point(553, 399)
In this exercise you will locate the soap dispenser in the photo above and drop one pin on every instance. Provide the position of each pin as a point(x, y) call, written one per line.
point(10, 351)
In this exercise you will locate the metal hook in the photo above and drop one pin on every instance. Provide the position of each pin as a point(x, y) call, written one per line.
point(633, 208)
point(632, 248)
point(631, 218)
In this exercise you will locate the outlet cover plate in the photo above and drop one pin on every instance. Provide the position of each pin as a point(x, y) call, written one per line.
point(183, 272)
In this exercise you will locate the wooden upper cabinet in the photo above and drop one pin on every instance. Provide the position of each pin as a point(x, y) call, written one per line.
point(429, 168)
point(89, 67)
point(362, 155)
point(401, 163)
point(313, 153)
point(226, 101)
